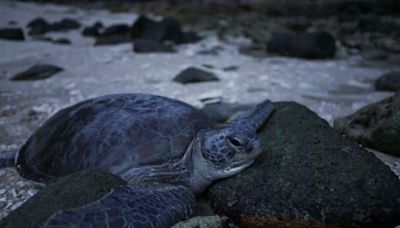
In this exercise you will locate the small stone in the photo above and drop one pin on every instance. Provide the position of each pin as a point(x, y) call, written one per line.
point(93, 30)
point(12, 34)
point(2, 191)
point(194, 75)
point(65, 24)
point(38, 72)
point(38, 26)
point(32, 192)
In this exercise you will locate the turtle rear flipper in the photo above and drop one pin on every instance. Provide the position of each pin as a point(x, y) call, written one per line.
point(7, 158)
point(154, 205)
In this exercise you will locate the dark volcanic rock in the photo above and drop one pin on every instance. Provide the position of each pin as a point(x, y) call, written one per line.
point(38, 72)
point(117, 30)
point(315, 45)
point(309, 176)
point(167, 29)
point(139, 27)
point(193, 74)
point(389, 81)
point(71, 191)
point(115, 34)
point(108, 40)
point(38, 26)
point(65, 24)
point(376, 125)
point(93, 30)
point(12, 34)
point(148, 46)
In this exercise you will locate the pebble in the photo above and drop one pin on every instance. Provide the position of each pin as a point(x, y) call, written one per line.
point(2, 191)
point(32, 192)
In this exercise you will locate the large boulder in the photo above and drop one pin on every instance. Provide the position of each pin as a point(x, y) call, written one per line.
point(389, 81)
point(69, 192)
point(308, 176)
point(314, 45)
point(167, 29)
point(36, 72)
point(195, 75)
point(376, 126)
point(12, 34)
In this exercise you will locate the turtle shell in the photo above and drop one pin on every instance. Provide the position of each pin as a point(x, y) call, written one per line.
point(111, 133)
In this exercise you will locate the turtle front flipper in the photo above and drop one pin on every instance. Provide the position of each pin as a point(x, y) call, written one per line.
point(150, 205)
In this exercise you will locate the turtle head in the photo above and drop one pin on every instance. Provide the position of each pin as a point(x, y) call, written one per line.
point(225, 151)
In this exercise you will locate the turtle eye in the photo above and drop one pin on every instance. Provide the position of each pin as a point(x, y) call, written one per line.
point(233, 141)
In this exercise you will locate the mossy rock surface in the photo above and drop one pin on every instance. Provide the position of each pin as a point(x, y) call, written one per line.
point(309, 176)
point(71, 191)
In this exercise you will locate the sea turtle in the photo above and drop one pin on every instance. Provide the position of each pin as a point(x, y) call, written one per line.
point(167, 151)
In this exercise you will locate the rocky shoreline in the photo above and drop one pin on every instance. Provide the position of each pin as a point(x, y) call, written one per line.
point(224, 59)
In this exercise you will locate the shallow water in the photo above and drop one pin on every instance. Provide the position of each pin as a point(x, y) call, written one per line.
point(331, 88)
